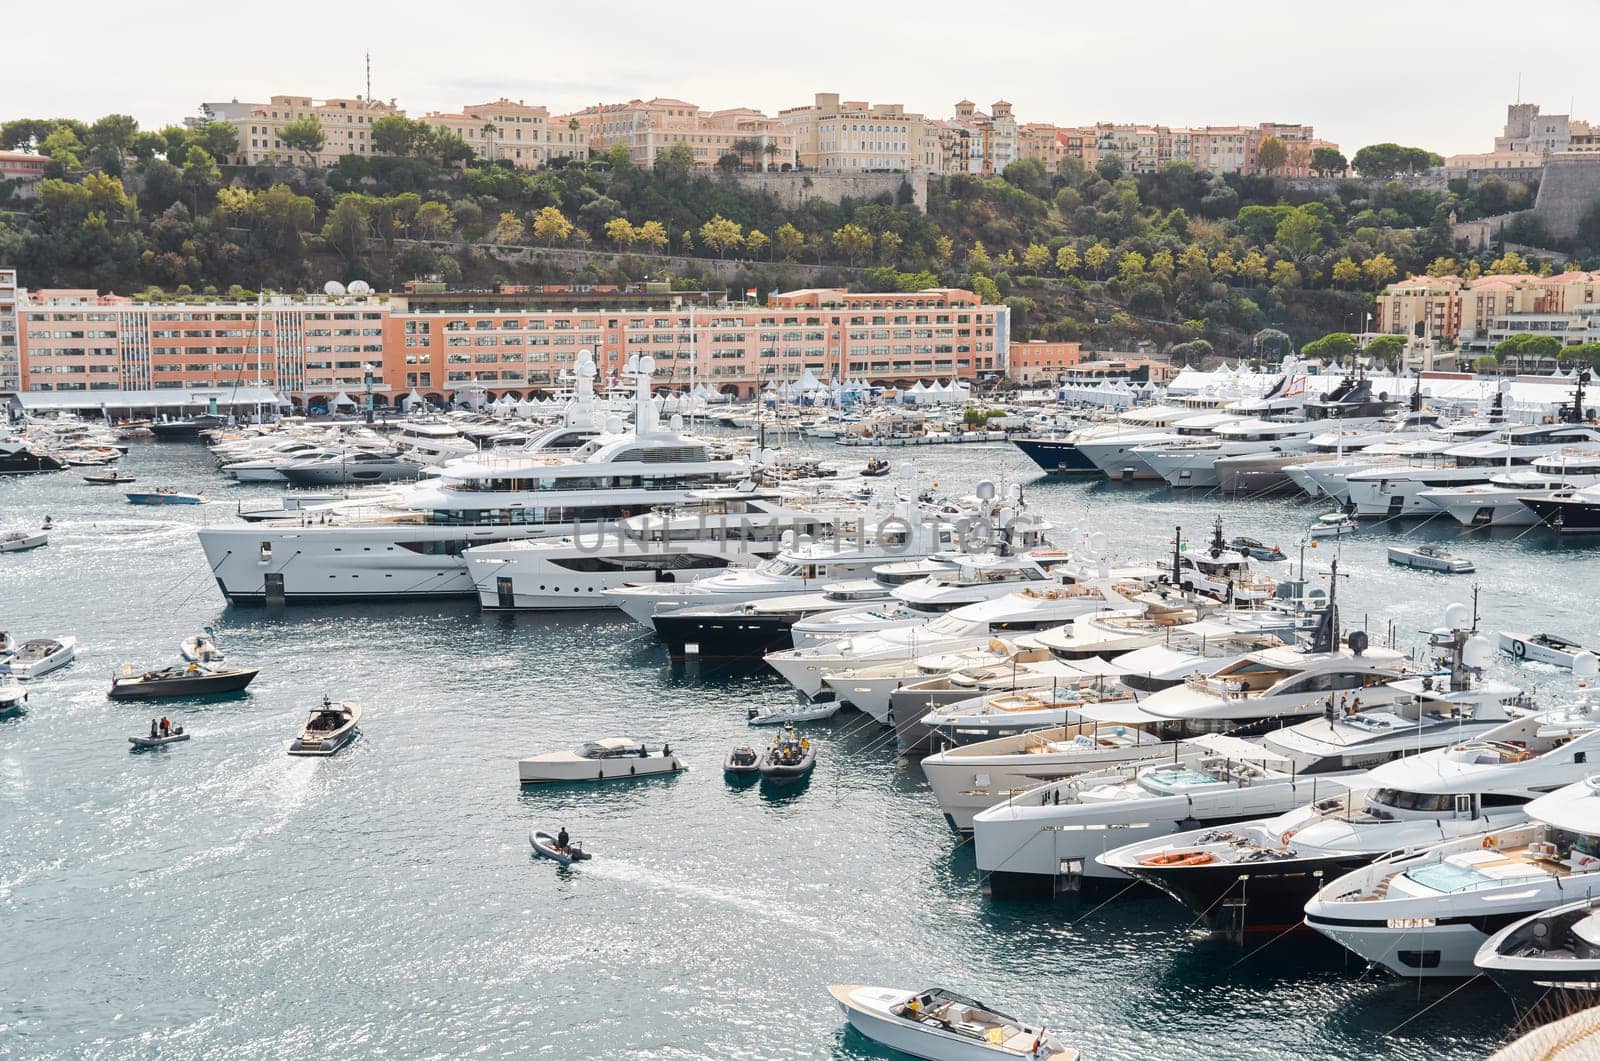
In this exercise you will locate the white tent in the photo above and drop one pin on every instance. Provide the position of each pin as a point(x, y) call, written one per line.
point(342, 399)
point(807, 382)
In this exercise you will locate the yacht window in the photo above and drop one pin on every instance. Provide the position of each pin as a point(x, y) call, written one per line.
point(1425, 802)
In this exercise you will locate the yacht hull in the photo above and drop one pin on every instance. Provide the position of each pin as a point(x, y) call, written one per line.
point(1058, 456)
point(1239, 899)
point(724, 637)
point(1566, 514)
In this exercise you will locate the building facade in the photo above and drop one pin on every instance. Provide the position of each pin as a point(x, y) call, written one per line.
point(1037, 361)
point(10, 342)
point(445, 345)
point(852, 136)
point(649, 127)
point(346, 127)
point(512, 131)
point(1480, 313)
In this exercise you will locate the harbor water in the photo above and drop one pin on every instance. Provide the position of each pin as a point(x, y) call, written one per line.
point(222, 898)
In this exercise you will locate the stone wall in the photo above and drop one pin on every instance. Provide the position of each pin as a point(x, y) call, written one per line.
point(794, 189)
point(1571, 185)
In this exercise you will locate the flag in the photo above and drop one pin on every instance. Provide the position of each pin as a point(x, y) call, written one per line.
point(751, 294)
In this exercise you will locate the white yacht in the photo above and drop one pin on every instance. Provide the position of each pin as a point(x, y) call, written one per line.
point(1256, 876)
point(1025, 611)
point(1341, 444)
point(1330, 478)
point(1498, 502)
point(1391, 491)
point(351, 465)
point(408, 542)
point(974, 578)
point(1193, 462)
point(1110, 447)
point(1426, 915)
point(712, 531)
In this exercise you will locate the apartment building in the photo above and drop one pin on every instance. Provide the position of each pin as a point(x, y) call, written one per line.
point(889, 338)
point(513, 131)
point(346, 126)
point(852, 136)
point(1480, 313)
point(1038, 361)
point(977, 142)
point(80, 340)
point(649, 127)
point(10, 345)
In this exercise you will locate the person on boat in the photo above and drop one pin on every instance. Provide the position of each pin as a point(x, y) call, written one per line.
point(562, 839)
point(166, 726)
point(666, 749)
point(153, 733)
point(1355, 706)
point(48, 523)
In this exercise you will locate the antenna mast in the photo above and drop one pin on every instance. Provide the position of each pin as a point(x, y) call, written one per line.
point(369, 79)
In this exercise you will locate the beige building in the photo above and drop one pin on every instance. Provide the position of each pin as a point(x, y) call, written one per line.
point(346, 126)
point(649, 127)
point(1526, 140)
point(10, 347)
point(512, 130)
point(851, 136)
point(978, 142)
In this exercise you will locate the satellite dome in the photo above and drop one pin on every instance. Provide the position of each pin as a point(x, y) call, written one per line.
point(1477, 652)
point(1097, 543)
point(333, 289)
point(1584, 665)
point(647, 365)
point(677, 422)
point(1457, 615)
point(613, 425)
point(985, 490)
point(359, 287)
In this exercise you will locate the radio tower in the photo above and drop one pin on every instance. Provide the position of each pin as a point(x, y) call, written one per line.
point(369, 79)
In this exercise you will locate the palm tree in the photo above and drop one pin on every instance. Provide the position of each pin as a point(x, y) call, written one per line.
point(490, 136)
point(771, 151)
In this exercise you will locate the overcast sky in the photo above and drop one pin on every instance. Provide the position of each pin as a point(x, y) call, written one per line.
point(1360, 72)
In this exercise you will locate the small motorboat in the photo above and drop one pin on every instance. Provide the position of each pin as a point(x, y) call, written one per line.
point(40, 656)
point(606, 759)
point(21, 541)
point(942, 1025)
point(1256, 550)
point(12, 696)
point(544, 845)
point(743, 761)
point(329, 728)
point(159, 740)
point(789, 714)
point(1334, 525)
point(165, 496)
point(1540, 648)
point(1430, 558)
point(790, 758)
point(193, 679)
point(876, 468)
point(202, 647)
point(108, 478)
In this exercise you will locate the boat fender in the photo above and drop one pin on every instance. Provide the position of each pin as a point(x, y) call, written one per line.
point(1489, 841)
point(1518, 649)
point(1288, 834)
point(633, 770)
point(600, 775)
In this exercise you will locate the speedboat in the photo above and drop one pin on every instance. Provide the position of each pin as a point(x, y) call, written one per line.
point(790, 758)
point(40, 656)
point(12, 696)
point(201, 648)
point(606, 759)
point(20, 541)
point(943, 1026)
point(1543, 648)
point(1430, 558)
point(347, 466)
point(329, 728)
point(166, 496)
point(1333, 525)
point(545, 846)
point(1427, 915)
point(742, 761)
point(193, 679)
point(1550, 958)
point(789, 714)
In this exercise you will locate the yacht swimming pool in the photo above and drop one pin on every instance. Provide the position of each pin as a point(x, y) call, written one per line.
point(1448, 877)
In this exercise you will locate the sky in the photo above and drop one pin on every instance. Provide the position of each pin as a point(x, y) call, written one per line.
point(1359, 72)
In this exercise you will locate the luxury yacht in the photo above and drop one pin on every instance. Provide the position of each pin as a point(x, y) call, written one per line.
point(351, 466)
point(1499, 502)
point(1256, 876)
point(1110, 448)
point(1427, 915)
point(1549, 960)
point(1577, 512)
point(409, 542)
point(1343, 442)
point(1330, 478)
point(1193, 462)
point(1397, 491)
point(707, 534)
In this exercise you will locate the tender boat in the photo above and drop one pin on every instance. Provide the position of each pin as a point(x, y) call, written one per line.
point(1333, 525)
point(108, 478)
point(544, 845)
point(1430, 558)
point(329, 728)
point(177, 736)
point(193, 679)
point(876, 468)
point(606, 759)
point(790, 758)
point(21, 541)
point(742, 761)
point(201, 648)
point(165, 496)
point(942, 1025)
point(40, 656)
point(12, 696)
point(1543, 648)
point(789, 714)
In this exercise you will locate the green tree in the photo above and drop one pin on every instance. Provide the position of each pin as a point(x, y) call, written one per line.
point(395, 134)
point(1331, 347)
point(1328, 162)
point(619, 231)
point(943, 248)
point(200, 176)
point(1036, 258)
point(1271, 154)
point(853, 241)
point(986, 289)
point(1252, 267)
point(789, 241)
point(220, 139)
point(652, 234)
point(1390, 160)
point(345, 229)
point(64, 147)
point(722, 235)
point(304, 135)
point(1299, 233)
point(756, 241)
point(889, 245)
point(1130, 266)
point(433, 220)
point(1386, 347)
point(1443, 266)
point(1067, 260)
point(1379, 269)
point(1525, 346)
point(1284, 274)
point(1096, 257)
point(1346, 273)
point(509, 229)
point(1509, 264)
point(1270, 342)
point(978, 258)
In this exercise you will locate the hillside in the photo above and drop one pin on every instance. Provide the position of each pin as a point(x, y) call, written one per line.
point(1092, 255)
